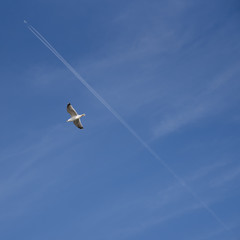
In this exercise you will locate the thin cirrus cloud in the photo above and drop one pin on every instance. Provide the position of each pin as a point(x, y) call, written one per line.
point(161, 206)
point(209, 101)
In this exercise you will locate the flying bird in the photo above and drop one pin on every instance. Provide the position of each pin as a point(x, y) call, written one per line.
point(75, 118)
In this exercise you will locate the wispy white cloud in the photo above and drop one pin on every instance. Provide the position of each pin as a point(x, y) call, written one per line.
point(155, 208)
point(227, 177)
point(216, 233)
point(141, 226)
point(23, 170)
point(165, 202)
point(180, 119)
point(209, 101)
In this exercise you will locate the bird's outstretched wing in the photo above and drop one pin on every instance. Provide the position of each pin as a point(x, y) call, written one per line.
point(78, 123)
point(71, 110)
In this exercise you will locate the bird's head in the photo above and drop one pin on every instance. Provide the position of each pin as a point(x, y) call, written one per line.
point(83, 115)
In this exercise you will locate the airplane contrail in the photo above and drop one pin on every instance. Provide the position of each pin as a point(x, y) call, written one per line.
point(125, 124)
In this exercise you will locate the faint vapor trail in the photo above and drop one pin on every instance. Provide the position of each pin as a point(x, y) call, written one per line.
point(125, 124)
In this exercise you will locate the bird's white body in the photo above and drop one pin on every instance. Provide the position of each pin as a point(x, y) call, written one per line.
point(75, 118)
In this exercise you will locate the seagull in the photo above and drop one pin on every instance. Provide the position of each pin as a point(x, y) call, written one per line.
point(75, 118)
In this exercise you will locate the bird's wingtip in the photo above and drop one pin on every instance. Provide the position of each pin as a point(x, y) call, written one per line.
point(69, 104)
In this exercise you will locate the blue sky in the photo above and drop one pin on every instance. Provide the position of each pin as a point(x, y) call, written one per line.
point(171, 69)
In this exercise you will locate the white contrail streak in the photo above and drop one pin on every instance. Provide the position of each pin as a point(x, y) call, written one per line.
point(124, 123)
